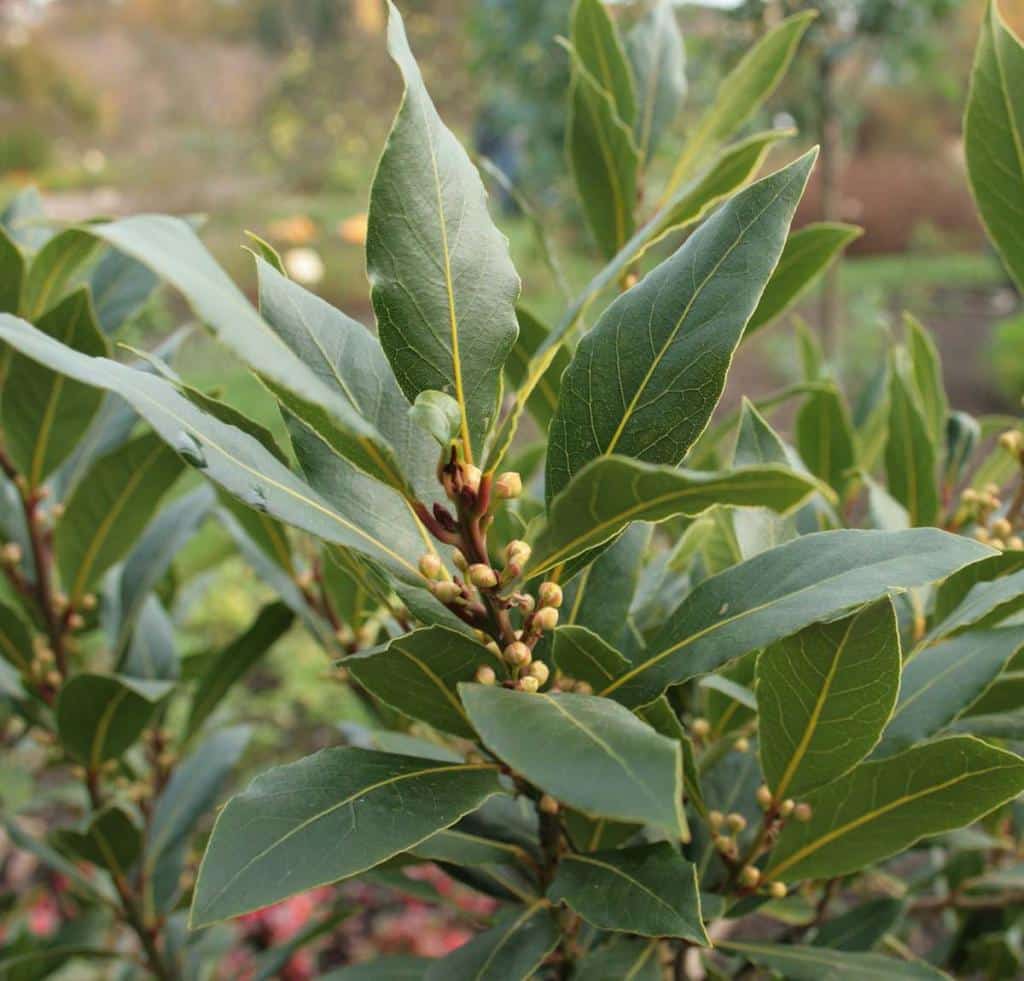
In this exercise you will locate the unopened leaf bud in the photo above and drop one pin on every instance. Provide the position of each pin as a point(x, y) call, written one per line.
point(716, 819)
point(737, 822)
point(583, 688)
point(764, 797)
point(540, 671)
point(548, 805)
point(10, 554)
point(742, 745)
point(787, 807)
point(508, 485)
point(549, 594)
point(777, 890)
point(483, 576)
point(528, 684)
point(803, 812)
point(750, 876)
point(471, 477)
point(701, 728)
point(517, 654)
point(459, 560)
point(447, 592)
point(485, 675)
point(431, 565)
point(1002, 528)
point(546, 618)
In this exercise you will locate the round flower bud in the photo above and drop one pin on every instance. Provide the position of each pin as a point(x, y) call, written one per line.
point(700, 728)
point(1010, 441)
point(517, 551)
point(803, 812)
point(485, 675)
point(583, 688)
point(981, 534)
point(471, 477)
point(549, 594)
point(764, 797)
point(89, 601)
point(742, 745)
point(508, 485)
point(540, 671)
point(969, 496)
point(548, 805)
point(517, 654)
point(725, 844)
point(430, 565)
point(1016, 543)
point(992, 489)
point(716, 819)
point(737, 822)
point(750, 876)
point(777, 890)
point(447, 592)
point(786, 808)
point(997, 543)
point(528, 684)
point(459, 560)
point(527, 604)
point(1002, 528)
point(76, 621)
point(483, 576)
point(546, 618)
point(10, 554)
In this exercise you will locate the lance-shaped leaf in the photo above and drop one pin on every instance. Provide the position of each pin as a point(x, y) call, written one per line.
point(111, 839)
point(512, 950)
point(109, 509)
point(808, 253)
point(926, 370)
point(943, 680)
point(12, 274)
point(231, 663)
point(53, 269)
point(801, 963)
point(600, 51)
point(444, 288)
point(783, 590)
point(609, 764)
point(824, 697)
point(644, 381)
point(650, 890)
point(881, 808)
point(655, 48)
point(992, 137)
point(120, 286)
point(332, 815)
point(986, 603)
point(15, 639)
point(225, 454)
point(623, 957)
point(418, 675)
point(742, 92)
point(862, 927)
point(612, 491)
point(45, 414)
point(191, 792)
point(99, 716)
point(825, 438)
point(910, 453)
point(152, 654)
point(584, 656)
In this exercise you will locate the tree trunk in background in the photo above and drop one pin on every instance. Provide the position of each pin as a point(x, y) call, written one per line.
point(831, 195)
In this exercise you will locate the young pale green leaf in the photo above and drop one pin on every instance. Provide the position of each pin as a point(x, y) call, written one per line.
point(12, 274)
point(824, 697)
point(191, 792)
point(825, 438)
point(992, 137)
point(111, 839)
point(52, 270)
point(99, 716)
point(644, 381)
point(438, 415)
point(231, 663)
point(649, 890)
point(910, 455)
point(943, 680)
point(783, 590)
point(881, 808)
point(110, 507)
point(228, 456)
point(330, 816)
point(512, 950)
point(418, 675)
point(742, 93)
point(802, 963)
point(120, 287)
point(611, 492)
point(808, 253)
point(655, 48)
point(583, 655)
point(597, 44)
point(622, 957)
point(621, 768)
point(926, 370)
point(15, 639)
point(444, 288)
point(45, 414)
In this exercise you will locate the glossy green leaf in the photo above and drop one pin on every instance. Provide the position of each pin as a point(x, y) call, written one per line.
point(620, 767)
point(465, 848)
point(926, 370)
point(444, 289)
point(231, 663)
point(100, 716)
point(512, 950)
point(330, 816)
point(881, 808)
point(192, 791)
point(910, 455)
point(860, 928)
point(53, 269)
point(648, 890)
point(111, 839)
point(825, 438)
point(543, 399)
point(600, 51)
point(611, 492)
point(152, 654)
point(655, 48)
point(24, 219)
point(12, 274)
point(808, 253)
point(943, 680)
point(583, 655)
point(644, 381)
point(109, 509)
point(418, 675)
point(120, 287)
point(987, 603)
point(954, 590)
point(992, 137)
point(783, 590)
point(15, 639)
point(801, 963)
point(226, 455)
point(824, 697)
point(742, 92)
point(44, 413)
point(623, 957)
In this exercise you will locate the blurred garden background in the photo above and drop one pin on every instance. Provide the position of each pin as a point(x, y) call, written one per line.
point(268, 116)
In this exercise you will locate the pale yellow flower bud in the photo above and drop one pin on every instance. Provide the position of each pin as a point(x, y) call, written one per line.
point(546, 618)
point(483, 576)
point(777, 890)
point(485, 675)
point(431, 565)
point(701, 728)
point(528, 684)
point(750, 876)
point(803, 812)
point(540, 671)
point(549, 594)
point(446, 592)
point(517, 654)
point(508, 485)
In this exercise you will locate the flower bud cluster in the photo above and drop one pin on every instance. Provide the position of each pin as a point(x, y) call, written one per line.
point(995, 525)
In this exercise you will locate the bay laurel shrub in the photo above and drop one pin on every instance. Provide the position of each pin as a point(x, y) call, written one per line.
point(664, 686)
